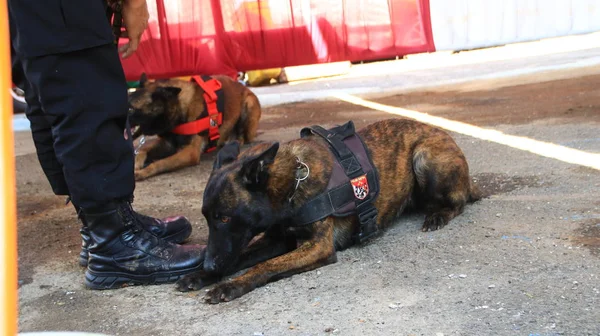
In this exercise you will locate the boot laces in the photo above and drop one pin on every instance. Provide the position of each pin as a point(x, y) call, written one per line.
point(131, 222)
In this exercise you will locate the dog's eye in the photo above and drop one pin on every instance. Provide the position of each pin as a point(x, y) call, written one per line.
point(225, 219)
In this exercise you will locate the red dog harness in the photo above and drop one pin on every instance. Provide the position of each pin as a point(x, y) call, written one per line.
point(211, 88)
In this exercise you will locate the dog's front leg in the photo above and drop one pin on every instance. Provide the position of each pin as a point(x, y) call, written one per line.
point(267, 247)
point(187, 156)
point(314, 253)
point(201, 279)
point(142, 155)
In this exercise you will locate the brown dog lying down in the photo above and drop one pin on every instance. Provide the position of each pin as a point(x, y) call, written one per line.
point(260, 190)
point(161, 108)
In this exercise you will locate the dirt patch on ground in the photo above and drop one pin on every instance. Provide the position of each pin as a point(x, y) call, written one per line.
point(492, 184)
point(588, 235)
point(569, 100)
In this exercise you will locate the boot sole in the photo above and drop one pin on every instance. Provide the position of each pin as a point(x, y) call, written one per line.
point(115, 280)
point(177, 238)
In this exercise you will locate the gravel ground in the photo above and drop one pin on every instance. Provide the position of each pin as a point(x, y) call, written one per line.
point(523, 261)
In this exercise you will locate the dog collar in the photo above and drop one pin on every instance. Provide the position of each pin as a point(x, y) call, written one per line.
point(300, 176)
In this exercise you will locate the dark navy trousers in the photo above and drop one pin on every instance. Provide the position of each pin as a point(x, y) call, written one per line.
point(77, 106)
point(78, 111)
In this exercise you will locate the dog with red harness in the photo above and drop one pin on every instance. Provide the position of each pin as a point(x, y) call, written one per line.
point(189, 118)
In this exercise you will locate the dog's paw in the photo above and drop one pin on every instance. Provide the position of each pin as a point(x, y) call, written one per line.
point(141, 174)
point(434, 222)
point(225, 292)
point(140, 161)
point(190, 282)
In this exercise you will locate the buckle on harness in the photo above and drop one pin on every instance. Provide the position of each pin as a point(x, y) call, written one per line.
point(367, 220)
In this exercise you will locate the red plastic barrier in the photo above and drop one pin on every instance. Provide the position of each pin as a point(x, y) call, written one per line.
point(187, 37)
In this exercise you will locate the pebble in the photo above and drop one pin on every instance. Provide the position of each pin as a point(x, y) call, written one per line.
point(258, 333)
point(439, 334)
point(318, 272)
point(462, 276)
point(491, 286)
point(498, 214)
point(393, 306)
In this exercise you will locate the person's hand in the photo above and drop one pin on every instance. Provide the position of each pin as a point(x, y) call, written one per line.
point(135, 20)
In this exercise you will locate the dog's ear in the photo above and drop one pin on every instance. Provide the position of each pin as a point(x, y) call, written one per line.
point(227, 154)
point(255, 170)
point(166, 92)
point(143, 80)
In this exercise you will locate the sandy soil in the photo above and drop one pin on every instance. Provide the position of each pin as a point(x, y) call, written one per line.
point(523, 261)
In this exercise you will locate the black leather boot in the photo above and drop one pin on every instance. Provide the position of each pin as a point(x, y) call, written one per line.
point(173, 229)
point(122, 253)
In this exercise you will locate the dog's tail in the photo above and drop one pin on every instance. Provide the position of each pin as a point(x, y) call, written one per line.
point(251, 112)
point(474, 192)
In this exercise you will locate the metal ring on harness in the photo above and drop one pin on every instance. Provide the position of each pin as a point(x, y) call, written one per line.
point(298, 180)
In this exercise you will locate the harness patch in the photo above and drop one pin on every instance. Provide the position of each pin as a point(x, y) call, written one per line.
point(360, 185)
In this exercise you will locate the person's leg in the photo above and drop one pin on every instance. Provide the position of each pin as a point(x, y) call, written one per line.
point(174, 229)
point(84, 95)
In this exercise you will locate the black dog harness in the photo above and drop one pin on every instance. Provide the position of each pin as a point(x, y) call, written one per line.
point(353, 185)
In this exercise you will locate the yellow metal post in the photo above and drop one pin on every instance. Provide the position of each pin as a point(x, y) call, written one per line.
point(8, 215)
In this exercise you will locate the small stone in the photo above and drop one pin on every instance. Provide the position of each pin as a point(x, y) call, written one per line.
point(450, 276)
point(318, 272)
point(492, 286)
point(462, 276)
point(335, 331)
point(393, 306)
point(575, 282)
point(498, 214)
point(291, 327)
point(258, 333)
point(439, 334)
point(328, 330)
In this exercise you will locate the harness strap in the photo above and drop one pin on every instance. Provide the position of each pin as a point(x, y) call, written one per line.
point(210, 86)
point(335, 138)
point(332, 202)
point(340, 200)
